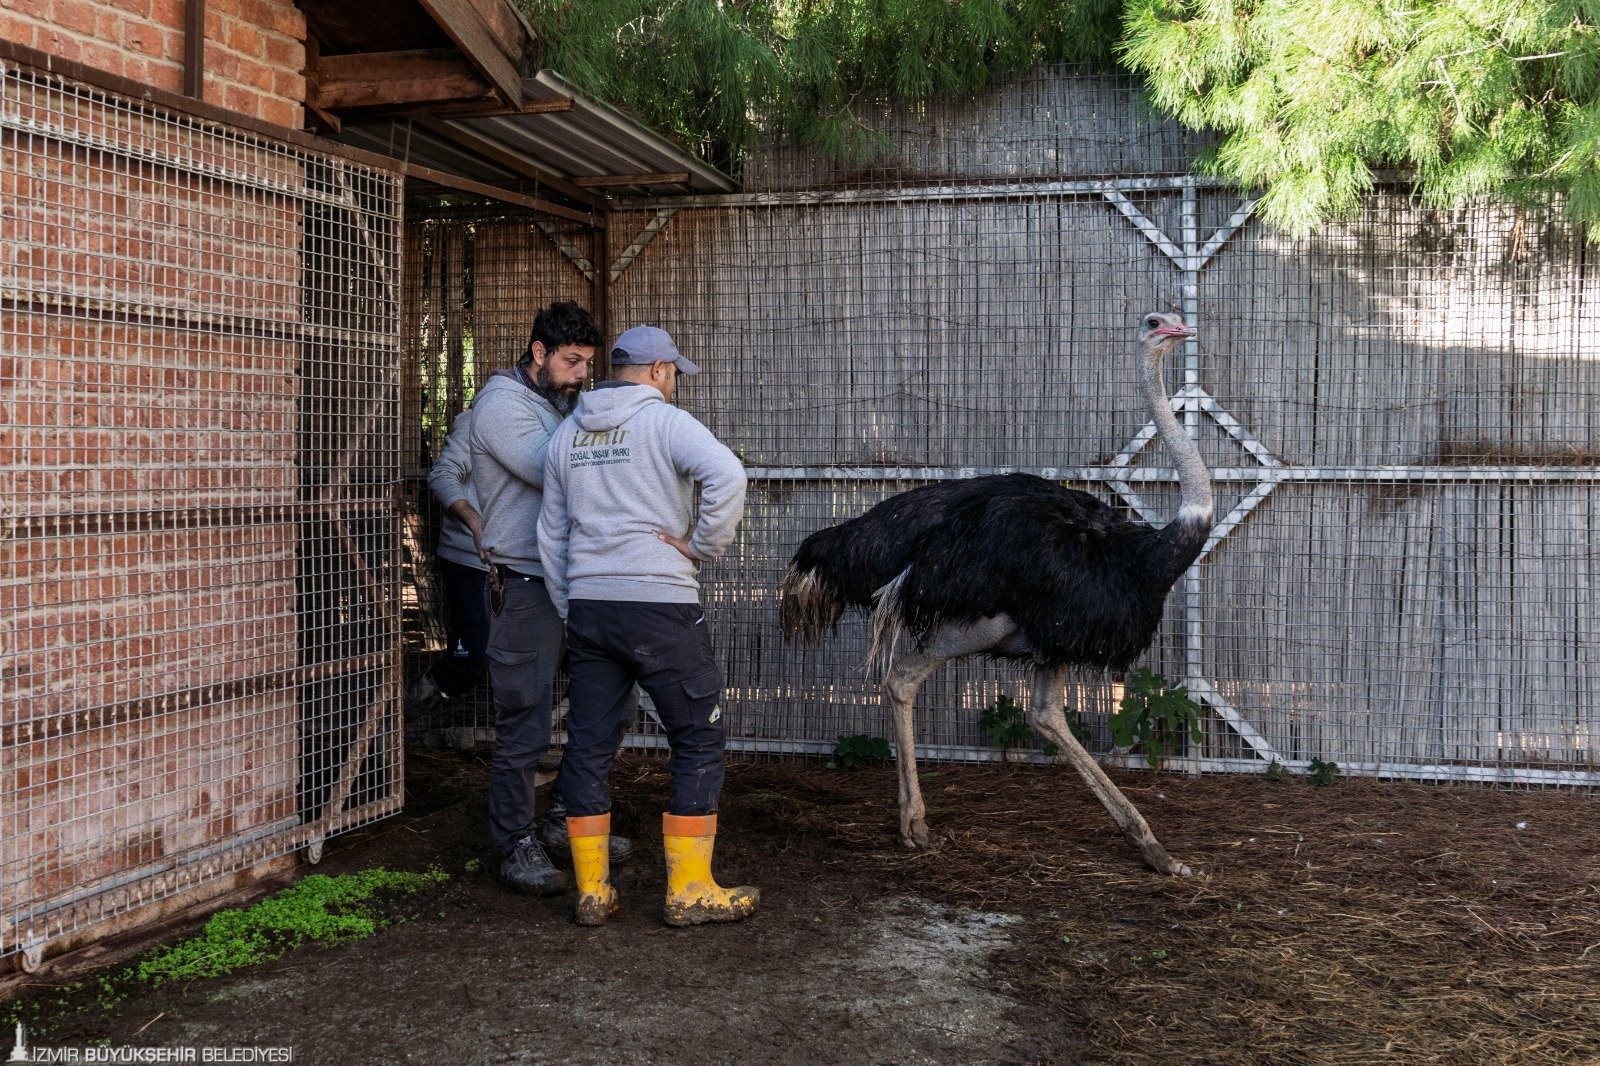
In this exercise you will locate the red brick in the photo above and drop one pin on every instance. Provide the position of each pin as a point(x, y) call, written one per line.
point(255, 74)
point(38, 9)
point(169, 13)
point(244, 38)
point(239, 98)
point(101, 56)
point(19, 29)
point(289, 86)
point(285, 52)
point(76, 16)
point(145, 38)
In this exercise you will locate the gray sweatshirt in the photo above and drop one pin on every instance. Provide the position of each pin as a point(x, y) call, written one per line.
point(511, 428)
point(451, 482)
point(620, 472)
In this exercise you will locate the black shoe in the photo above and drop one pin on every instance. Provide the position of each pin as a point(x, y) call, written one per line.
point(422, 695)
point(553, 835)
point(528, 869)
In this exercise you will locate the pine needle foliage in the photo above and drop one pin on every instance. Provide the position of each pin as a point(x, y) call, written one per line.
point(1471, 97)
point(1313, 97)
point(715, 74)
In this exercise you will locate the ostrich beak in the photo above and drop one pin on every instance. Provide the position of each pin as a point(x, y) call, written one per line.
point(1179, 331)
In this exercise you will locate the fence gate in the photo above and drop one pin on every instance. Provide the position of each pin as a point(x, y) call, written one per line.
point(199, 594)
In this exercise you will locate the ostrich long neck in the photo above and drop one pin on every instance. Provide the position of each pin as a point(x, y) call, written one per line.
point(1194, 480)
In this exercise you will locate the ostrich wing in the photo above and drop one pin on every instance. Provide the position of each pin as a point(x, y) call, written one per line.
point(859, 557)
point(1076, 578)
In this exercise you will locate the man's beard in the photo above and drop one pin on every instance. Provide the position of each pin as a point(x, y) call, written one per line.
point(563, 399)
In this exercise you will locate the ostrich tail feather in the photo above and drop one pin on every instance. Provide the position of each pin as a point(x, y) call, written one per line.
point(886, 626)
point(808, 605)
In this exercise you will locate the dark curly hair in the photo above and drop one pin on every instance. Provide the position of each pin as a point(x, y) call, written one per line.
point(563, 322)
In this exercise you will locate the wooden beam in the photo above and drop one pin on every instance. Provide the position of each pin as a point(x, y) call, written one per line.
point(496, 153)
point(385, 79)
point(477, 28)
point(678, 178)
point(194, 49)
point(492, 192)
point(488, 107)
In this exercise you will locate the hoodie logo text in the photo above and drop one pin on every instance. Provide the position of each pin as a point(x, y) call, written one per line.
point(599, 449)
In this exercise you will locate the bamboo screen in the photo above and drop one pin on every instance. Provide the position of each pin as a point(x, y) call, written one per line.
point(475, 280)
point(199, 589)
point(1399, 415)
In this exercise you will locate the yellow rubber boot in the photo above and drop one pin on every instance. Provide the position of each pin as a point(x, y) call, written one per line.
point(591, 863)
point(693, 897)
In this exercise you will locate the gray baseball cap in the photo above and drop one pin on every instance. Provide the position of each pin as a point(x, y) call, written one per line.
point(643, 345)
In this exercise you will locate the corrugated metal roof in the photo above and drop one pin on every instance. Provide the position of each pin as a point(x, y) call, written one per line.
point(590, 141)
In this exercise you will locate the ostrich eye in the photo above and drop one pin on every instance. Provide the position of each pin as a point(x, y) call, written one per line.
point(1152, 322)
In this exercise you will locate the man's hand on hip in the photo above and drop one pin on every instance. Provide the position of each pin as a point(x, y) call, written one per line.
point(682, 544)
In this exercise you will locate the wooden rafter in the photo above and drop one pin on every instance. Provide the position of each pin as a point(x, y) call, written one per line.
point(676, 178)
point(491, 38)
point(496, 153)
point(387, 79)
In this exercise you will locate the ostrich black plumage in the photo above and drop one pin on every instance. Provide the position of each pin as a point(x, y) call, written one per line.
point(1010, 566)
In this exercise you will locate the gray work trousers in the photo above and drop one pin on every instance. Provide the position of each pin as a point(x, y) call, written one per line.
point(525, 647)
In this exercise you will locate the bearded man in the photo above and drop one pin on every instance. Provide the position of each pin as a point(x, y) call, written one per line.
point(513, 418)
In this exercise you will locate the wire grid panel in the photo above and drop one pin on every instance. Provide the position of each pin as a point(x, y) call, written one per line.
point(1398, 414)
point(475, 280)
point(199, 595)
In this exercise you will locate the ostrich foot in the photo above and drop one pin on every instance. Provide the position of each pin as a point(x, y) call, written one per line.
point(915, 836)
point(1156, 857)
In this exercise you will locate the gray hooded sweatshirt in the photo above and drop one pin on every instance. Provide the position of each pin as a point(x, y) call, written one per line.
point(511, 428)
point(620, 472)
point(451, 481)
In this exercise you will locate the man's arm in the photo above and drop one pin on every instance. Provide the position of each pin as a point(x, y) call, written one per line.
point(554, 529)
point(697, 453)
point(450, 476)
point(517, 438)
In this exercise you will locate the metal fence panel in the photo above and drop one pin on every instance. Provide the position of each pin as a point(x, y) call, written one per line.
point(198, 584)
point(1398, 411)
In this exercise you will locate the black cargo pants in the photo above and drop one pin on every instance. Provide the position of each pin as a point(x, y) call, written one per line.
point(666, 649)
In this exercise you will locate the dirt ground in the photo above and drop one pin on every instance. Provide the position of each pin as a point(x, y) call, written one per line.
point(1363, 922)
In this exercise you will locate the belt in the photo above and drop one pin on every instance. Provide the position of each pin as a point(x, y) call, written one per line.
point(497, 585)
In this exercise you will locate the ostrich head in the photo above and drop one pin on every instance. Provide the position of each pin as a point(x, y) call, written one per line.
point(1159, 333)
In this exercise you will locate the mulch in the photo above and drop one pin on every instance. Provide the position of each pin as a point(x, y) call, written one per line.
point(1360, 922)
point(1363, 922)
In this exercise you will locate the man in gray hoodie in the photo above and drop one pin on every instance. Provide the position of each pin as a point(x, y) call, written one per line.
point(513, 417)
point(620, 543)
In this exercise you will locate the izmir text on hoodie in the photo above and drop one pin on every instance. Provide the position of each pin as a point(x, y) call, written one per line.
point(619, 473)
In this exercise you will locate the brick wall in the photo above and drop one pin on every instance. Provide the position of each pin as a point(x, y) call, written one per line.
point(255, 53)
point(150, 396)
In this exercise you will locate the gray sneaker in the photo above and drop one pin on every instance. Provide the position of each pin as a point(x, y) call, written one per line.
point(553, 835)
point(528, 869)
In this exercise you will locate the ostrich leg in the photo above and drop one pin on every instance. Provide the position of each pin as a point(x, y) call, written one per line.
point(900, 684)
point(1045, 715)
point(900, 691)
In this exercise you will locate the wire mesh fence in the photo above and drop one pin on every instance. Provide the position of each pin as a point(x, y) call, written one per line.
point(1397, 413)
point(475, 280)
point(199, 589)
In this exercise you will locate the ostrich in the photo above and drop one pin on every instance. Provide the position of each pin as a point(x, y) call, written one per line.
point(1014, 567)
